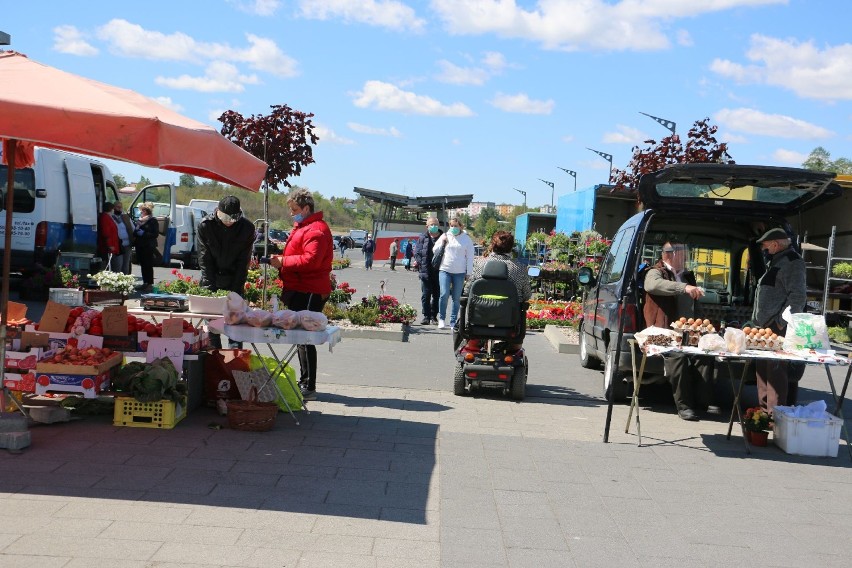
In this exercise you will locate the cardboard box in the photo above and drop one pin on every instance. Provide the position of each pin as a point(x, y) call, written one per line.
point(87, 385)
point(23, 360)
point(66, 369)
point(124, 343)
point(23, 382)
point(807, 436)
point(192, 342)
point(207, 304)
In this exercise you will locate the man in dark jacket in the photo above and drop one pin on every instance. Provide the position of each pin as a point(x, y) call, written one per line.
point(429, 287)
point(225, 241)
point(670, 293)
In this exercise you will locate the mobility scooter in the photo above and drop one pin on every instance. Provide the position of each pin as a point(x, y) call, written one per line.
point(490, 312)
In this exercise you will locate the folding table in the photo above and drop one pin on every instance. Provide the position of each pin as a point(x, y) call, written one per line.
point(748, 357)
point(272, 336)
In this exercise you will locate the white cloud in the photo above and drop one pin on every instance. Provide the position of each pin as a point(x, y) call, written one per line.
point(732, 138)
point(790, 157)
point(568, 138)
point(625, 135)
point(213, 115)
point(580, 24)
point(259, 7)
point(521, 103)
point(389, 14)
point(455, 75)
point(170, 104)
point(684, 38)
point(379, 95)
point(218, 77)
point(364, 129)
point(751, 121)
point(328, 135)
point(801, 67)
point(68, 39)
point(132, 40)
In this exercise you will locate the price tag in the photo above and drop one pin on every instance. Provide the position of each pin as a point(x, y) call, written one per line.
point(159, 347)
point(173, 328)
point(54, 318)
point(115, 320)
point(84, 341)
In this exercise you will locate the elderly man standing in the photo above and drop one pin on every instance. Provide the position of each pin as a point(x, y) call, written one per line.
point(782, 285)
point(430, 288)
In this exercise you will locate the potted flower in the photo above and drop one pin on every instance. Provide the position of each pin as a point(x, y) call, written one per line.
point(114, 288)
point(201, 300)
point(342, 295)
point(757, 423)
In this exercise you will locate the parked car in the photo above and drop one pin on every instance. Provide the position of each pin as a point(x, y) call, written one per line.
point(719, 210)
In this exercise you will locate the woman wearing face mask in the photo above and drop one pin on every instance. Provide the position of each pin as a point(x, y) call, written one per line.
point(305, 270)
point(146, 232)
point(456, 267)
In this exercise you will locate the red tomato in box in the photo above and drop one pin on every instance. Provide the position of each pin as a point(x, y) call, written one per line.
point(150, 328)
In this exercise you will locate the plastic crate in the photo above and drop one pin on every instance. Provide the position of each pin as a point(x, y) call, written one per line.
point(207, 304)
point(161, 414)
point(67, 296)
point(807, 436)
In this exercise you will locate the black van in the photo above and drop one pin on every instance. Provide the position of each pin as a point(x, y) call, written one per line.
point(719, 210)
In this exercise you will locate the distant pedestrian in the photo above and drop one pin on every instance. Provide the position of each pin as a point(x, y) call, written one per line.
point(145, 241)
point(124, 224)
point(409, 253)
point(343, 245)
point(394, 250)
point(369, 249)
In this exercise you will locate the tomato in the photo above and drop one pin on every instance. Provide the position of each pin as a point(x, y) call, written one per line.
point(96, 330)
point(150, 328)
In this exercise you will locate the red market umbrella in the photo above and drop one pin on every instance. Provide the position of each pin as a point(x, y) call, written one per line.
point(44, 106)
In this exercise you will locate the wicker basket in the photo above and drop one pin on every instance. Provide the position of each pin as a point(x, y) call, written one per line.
point(251, 415)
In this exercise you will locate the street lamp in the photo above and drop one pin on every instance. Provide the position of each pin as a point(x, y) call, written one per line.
point(605, 156)
point(666, 123)
point(571, 173)
point(524, 193)
point(552, 191)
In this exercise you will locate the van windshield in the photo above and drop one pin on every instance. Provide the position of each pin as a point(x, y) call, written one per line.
point(24, 196)
point(718, 191)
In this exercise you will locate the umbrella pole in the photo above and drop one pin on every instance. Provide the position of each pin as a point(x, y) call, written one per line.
point(9, 152)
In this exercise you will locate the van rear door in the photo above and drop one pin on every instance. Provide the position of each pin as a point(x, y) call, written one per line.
point(83, 205)
point(164, 198)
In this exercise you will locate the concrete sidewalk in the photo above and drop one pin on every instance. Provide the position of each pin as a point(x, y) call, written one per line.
point(390, 469)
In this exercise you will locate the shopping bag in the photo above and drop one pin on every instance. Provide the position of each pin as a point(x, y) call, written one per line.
point(286, 380)
point(406, 262)
point(805, 332)
point(219, 382)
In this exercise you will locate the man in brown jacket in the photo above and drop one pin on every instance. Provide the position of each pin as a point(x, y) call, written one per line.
point(670, 293)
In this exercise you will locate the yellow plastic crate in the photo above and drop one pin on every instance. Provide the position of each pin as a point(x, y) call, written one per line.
point(161, 414)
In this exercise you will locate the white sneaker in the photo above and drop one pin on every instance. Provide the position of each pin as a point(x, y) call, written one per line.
point(441, 324)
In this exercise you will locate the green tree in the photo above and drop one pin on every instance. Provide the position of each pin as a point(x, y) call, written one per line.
point(143, 181)
point(820, 160)
point(187, 180)
point(282, 139)
point(480, 226)
point(119, 180)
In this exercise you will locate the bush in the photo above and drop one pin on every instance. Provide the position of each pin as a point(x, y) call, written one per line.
point(338, 263)
point(332, 312)
point(363, 315)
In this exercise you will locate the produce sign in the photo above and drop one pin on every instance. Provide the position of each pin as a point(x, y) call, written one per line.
point(74, 361)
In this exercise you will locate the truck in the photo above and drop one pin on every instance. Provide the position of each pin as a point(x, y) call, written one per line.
point(596, 208)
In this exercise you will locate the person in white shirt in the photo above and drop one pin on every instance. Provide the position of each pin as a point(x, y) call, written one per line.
point(456, 267)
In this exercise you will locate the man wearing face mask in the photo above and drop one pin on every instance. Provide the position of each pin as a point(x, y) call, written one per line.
point(782, 285)
point(430, 287)
point(225, 241)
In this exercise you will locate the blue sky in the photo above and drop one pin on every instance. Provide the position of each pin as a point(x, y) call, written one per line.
point(472, 96)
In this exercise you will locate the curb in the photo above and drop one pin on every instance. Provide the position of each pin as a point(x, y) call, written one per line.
point(394, 332)
point(557, 340)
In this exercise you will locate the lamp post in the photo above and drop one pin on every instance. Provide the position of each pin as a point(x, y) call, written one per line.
point(524, 193)
point(605, 156)
point(666, 123)
point(552, 191)
point(571, 173)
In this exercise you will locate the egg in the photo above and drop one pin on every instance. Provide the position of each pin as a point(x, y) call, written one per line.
point(682, 320)
point(746, 330)
point(690, 321)
point(706, 322)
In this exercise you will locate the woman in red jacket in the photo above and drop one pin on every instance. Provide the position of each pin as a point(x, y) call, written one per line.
point(305, 270)
point(108, 241)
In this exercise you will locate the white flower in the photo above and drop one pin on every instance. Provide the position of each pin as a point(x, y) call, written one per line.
point(115, 281)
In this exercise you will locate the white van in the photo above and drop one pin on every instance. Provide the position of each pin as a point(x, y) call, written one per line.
point(178, 224)
point(207, 205)
point(56, 207)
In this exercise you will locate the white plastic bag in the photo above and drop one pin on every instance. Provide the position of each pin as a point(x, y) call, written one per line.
point(235, 309)
point(285, 319)
point(712, 342)
point(312, 321)
point(735, 340)
point(258, 318)
point(805, 332)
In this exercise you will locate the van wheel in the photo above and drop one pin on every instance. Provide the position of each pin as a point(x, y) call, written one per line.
point(613, 379)
point(587, 361)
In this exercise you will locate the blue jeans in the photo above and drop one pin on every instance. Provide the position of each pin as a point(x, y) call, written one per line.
point(450, 283)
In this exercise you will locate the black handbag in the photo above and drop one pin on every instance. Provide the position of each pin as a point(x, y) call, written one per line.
point(437, 257)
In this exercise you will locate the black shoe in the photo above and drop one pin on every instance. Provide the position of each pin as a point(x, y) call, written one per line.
point(434, 322)
point(687, 414)
point(425, 321)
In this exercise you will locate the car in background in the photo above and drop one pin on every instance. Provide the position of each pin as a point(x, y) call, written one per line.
point(716, 210)
point(279, 236)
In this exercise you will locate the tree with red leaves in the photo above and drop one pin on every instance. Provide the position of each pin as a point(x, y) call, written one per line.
point(282, 139)
point(701, 146)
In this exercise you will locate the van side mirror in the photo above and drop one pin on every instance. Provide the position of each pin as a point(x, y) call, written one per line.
point(533, 271)
point(585, 276)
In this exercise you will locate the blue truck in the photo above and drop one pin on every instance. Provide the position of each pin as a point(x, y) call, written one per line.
point(595, 208)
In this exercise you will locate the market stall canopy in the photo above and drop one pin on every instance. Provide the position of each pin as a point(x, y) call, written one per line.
point(51, 108)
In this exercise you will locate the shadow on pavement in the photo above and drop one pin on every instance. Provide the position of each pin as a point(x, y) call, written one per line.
point(393, 403)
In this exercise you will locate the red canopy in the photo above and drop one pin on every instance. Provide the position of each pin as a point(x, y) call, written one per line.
point(55, 109)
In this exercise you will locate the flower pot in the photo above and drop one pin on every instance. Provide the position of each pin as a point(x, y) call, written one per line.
point(757, 438)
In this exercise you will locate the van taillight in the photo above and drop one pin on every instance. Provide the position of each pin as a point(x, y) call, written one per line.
point(184, 237)
point(41, 234)
point(630, 313)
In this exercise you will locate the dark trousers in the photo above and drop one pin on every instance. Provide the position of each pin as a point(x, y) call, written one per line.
point(691, 379)
point(430, 292)
point(393, 262)
point(297, 301)
point(145, 256)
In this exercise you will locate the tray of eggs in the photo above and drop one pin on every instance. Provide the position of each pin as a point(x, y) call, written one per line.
point(763, 339)
point(693, 329)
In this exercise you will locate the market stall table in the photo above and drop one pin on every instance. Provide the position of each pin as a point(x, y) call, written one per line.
point(748, 357)
point(154, 315)
point(272, 336)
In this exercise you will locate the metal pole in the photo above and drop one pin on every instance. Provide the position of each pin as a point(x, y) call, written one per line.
point(571, 173)
point(9, 151)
